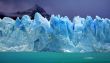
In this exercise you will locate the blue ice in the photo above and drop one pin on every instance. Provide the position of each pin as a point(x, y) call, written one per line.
point(59, 34)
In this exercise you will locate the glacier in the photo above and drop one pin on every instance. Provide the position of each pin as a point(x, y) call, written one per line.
point(59, 34)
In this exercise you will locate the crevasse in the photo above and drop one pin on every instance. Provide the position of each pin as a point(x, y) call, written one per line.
point(59, 34)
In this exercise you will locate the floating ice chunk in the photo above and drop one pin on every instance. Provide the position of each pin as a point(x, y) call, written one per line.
point(66, 50)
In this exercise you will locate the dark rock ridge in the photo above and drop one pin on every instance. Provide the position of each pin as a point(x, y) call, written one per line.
point(29, 12)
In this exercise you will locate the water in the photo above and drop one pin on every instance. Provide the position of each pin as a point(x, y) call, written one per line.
point(51, 57)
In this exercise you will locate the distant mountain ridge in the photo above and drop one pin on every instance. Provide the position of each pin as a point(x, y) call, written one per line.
point(29, 12)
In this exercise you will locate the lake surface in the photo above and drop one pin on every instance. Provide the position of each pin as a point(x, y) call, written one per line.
point(52, 57)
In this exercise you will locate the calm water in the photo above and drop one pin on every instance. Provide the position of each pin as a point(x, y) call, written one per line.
point(49, 57)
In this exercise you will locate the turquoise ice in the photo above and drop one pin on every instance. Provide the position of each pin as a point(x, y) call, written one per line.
point(59, 34)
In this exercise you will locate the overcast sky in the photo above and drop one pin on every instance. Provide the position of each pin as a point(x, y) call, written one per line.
point(64, 7)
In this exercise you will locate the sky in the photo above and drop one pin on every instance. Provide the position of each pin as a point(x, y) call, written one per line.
point(68, 8)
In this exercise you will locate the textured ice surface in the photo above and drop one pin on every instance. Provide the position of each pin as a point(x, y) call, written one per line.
point(59, 34)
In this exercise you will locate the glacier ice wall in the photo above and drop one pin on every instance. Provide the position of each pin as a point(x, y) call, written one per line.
point(59, 34)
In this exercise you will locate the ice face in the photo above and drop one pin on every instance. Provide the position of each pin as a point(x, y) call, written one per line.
point(59, 34)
